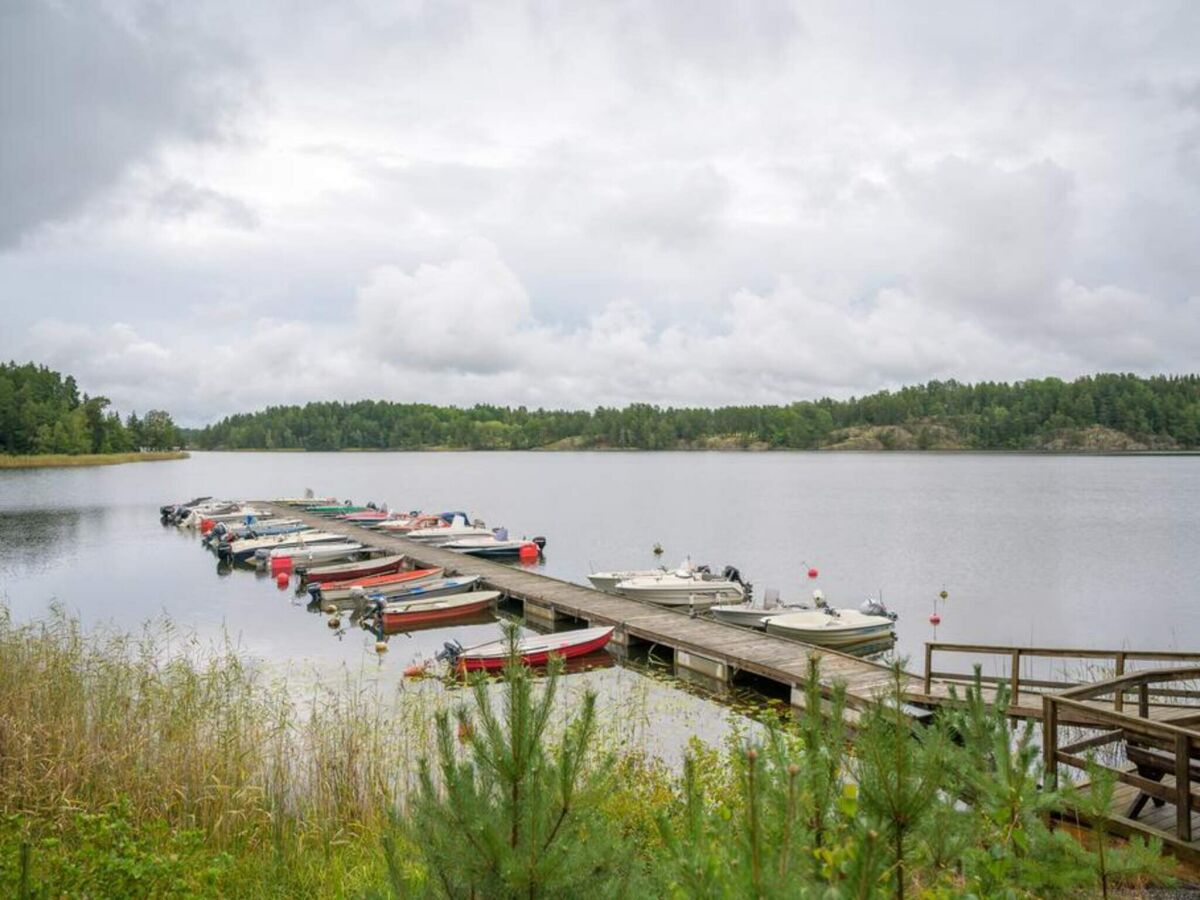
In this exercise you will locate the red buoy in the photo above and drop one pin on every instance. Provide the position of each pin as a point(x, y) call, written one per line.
point(935, 619)
point(812, 573)
point(281, 564)
point(207, 525)
point(283, 579)
point(528, 551)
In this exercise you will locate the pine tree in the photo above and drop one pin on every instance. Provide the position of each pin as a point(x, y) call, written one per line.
point(507, 811)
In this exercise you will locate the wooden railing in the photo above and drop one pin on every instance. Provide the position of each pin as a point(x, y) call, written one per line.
point(1116, 659)
point(1158, 748)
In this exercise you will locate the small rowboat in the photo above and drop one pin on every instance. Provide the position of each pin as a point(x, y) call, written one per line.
point(437, 587)
point(396, 616)
point(535, 650)
point(380, 565)
point(394, 582)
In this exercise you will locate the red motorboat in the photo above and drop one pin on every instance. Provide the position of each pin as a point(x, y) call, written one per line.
point(364, 568)
point(535, 650)
point(340, 590)
point(397, 616)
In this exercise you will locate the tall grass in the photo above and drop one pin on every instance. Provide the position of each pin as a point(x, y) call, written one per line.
point(286, 790)
point(64, 460)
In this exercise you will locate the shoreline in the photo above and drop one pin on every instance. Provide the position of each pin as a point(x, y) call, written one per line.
point(65, 460)
point(957, 451)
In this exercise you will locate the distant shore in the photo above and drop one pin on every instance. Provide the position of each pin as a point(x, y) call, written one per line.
point(65, 460)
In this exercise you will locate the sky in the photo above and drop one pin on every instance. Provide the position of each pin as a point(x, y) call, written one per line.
point(216, 206)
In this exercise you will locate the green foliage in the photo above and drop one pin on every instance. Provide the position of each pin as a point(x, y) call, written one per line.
point(108, 854)
point(514, 813)
point(1164, 411)
point(42, 412)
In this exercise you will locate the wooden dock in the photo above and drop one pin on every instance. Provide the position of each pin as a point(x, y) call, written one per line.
point(704, 647)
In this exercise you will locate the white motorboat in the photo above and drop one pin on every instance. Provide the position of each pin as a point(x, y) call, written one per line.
point(309, 554)
point(456, 529)
point(834, 628)
point(608, 581)
point(753, 612)
point(241, 550)
point(690, 588)
point(235, 514)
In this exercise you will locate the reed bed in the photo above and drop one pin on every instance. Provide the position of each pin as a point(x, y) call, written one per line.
point(65, 460)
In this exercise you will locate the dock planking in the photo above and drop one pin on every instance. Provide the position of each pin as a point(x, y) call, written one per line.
point(778, 659)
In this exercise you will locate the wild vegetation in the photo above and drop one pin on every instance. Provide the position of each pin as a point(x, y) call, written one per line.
point(43, 412)
point(150, 766)
point(1102, 412)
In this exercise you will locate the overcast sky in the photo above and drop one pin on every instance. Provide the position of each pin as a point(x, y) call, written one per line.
point(569, 204)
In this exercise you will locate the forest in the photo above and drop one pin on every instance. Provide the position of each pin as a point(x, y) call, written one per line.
point(43, 412)
point(1099, 412)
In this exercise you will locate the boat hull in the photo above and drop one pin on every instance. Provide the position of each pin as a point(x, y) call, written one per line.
point(368, 568)
point(438, 609)
point(535, 657)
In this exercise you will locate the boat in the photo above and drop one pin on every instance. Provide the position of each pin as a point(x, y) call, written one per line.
point(437, 587)
point(308, 554)
point(335, 509)
point(834, 628)
point(206, 519)
point(367, 516)
point(379, 565)
point(694, 588)
point(457, 527)
point(377, 584)
point(434, 609)
point(406, 523)
point(246, 549)
point(225, 531)
point(169, 513)
point(531, 651)
point(493, 547)
point(753, 613)
point(608, 581)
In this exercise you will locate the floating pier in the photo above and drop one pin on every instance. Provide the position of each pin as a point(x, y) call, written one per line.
point(712, 651)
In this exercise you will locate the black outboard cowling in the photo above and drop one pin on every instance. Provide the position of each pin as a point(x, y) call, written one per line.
point(729, 573)
point(450, 651)
point(541, 542)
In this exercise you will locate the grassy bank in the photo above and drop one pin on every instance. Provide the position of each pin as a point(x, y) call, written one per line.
point(147, 765)
point(62, 460)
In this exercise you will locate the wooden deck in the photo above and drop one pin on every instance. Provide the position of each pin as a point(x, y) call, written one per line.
point(730, 650)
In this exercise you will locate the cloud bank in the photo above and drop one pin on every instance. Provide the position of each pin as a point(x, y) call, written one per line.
point(575, 204)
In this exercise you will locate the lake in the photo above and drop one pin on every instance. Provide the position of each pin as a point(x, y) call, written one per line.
point(1095, 551)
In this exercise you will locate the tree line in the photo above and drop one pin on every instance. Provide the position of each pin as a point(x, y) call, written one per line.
point(41, 411)
point(1163, 411)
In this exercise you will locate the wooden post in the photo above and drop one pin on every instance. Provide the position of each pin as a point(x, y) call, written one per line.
point(928, 668)
point(1050, 741)
point(1014, 700)
point(1144, 700)
point(1183, 787)
point(1119, 696)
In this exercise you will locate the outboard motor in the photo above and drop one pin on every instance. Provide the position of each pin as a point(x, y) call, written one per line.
point(450, 651)
point(314, 591)
point(541, 543)
point(729, 573)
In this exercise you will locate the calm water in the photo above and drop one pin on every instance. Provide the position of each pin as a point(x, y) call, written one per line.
point(1083, 551)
